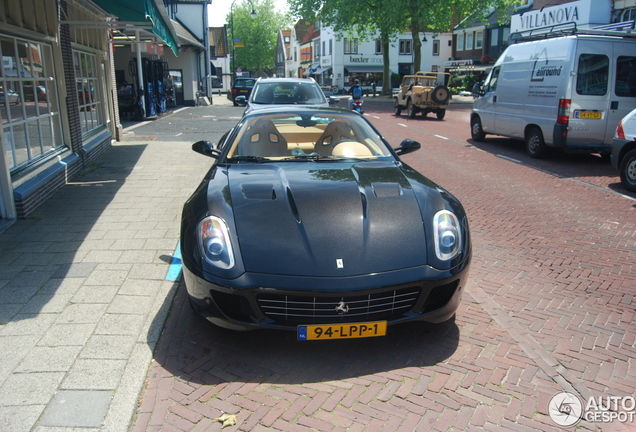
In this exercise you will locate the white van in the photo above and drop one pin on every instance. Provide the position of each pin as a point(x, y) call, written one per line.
point(566, 92)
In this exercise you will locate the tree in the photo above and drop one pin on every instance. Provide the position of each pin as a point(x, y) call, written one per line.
point(257, 36)
point(367, 18)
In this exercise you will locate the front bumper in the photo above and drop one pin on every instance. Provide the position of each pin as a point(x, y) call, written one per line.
point(232, 305)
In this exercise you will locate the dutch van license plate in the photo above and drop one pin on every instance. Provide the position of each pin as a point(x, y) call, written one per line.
point(342, 331)
point(588, 115)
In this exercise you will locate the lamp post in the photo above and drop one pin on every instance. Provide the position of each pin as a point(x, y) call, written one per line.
point(253, 15)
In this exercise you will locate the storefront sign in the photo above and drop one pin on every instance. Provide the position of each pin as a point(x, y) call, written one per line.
point(577, 12)
point(458, 63)
point(364, 60)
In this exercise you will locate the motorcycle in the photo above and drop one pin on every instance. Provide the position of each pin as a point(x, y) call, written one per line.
point(356, 105)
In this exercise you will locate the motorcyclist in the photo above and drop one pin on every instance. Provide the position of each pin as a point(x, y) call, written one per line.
point(355, 91)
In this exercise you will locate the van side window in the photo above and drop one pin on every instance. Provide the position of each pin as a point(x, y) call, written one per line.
point(592, 76)
point(626, 76)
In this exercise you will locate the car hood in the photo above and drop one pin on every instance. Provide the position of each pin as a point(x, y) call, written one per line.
point(326, 218)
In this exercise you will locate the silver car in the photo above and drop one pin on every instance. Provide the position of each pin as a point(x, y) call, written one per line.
point(624, 150)
point(272, 92)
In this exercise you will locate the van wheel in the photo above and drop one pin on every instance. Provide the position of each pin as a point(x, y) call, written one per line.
point(628, 171)
point(476, 131)
point(410, 109)
point(535, 145)
point(397, 108)
point(440, 114)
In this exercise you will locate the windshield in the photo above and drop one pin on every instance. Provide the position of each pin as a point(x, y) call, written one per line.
point(282, 93)
point(311, 136)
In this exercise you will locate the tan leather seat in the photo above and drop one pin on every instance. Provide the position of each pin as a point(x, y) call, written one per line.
point(263, 140)
point(352, 149)
point(335, 132)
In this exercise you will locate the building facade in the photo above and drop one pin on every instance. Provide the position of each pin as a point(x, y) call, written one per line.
point(335, 62)
point(61, 76)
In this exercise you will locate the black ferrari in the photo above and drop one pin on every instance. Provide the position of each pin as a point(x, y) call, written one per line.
point(309, 221)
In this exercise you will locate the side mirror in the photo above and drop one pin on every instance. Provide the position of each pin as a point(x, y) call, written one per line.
point(407, 146)
point(241, 100)
point(206, 148)
point(333, 100)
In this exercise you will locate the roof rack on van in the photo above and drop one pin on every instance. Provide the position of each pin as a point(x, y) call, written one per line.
point(568, 29)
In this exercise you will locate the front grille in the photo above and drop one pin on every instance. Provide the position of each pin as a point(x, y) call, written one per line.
point(307, 309)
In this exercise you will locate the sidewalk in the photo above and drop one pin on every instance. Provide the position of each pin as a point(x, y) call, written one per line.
point(84, 290)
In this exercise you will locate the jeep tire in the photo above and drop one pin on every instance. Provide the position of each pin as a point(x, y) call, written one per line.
point(440, 95)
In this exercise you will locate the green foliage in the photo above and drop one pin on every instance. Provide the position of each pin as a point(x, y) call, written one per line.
point(258, 34)
point(468, 81)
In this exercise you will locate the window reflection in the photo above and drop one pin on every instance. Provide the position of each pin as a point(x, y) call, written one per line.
point(28, 100)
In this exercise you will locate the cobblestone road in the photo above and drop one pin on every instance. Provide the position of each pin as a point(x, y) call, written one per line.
point(549, 308)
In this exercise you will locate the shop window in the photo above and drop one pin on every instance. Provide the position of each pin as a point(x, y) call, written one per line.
point(435, 47)
point(88, 91)
point(405, 46)
point(351, 46)
point(29, 106)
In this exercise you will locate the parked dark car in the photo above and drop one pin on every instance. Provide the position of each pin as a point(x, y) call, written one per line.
point(309, 221)
point(29, 94)
point(241, 87)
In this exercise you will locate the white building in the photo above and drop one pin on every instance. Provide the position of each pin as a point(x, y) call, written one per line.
point(339, 61)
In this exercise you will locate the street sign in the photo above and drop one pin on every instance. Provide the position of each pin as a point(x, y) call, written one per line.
point(239, 44)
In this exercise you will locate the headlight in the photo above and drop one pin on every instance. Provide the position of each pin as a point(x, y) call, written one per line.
point(215, 244)
point(448, 236)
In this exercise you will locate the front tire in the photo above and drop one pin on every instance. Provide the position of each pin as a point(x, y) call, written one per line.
point(476, 131)
point(440, 114)
point(535, 145)
point(397, 109)
point(628, 171)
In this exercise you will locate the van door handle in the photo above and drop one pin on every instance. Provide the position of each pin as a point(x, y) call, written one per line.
point(494, 99)
point(614, 105)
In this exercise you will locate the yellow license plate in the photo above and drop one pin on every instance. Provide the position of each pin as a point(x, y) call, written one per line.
point(342, 331)
point(588, 115)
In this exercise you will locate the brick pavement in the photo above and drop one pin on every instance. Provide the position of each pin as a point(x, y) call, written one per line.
point(549, 308)
point(83, 289)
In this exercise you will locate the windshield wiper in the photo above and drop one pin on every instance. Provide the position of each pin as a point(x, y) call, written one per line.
point(311, 158)
point(247, 159)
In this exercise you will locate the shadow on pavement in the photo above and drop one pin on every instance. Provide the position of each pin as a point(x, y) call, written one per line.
point(38, 255)
point(199, 352)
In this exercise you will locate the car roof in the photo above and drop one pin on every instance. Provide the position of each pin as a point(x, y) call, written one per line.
point(281, 79)
point(299, 110)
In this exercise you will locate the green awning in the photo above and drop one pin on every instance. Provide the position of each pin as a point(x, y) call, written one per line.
point(151, 11)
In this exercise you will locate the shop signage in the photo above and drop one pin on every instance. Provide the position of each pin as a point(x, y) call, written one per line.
point(577, 12)
point(152, 48)
point(355, 60)
point(458, 63)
